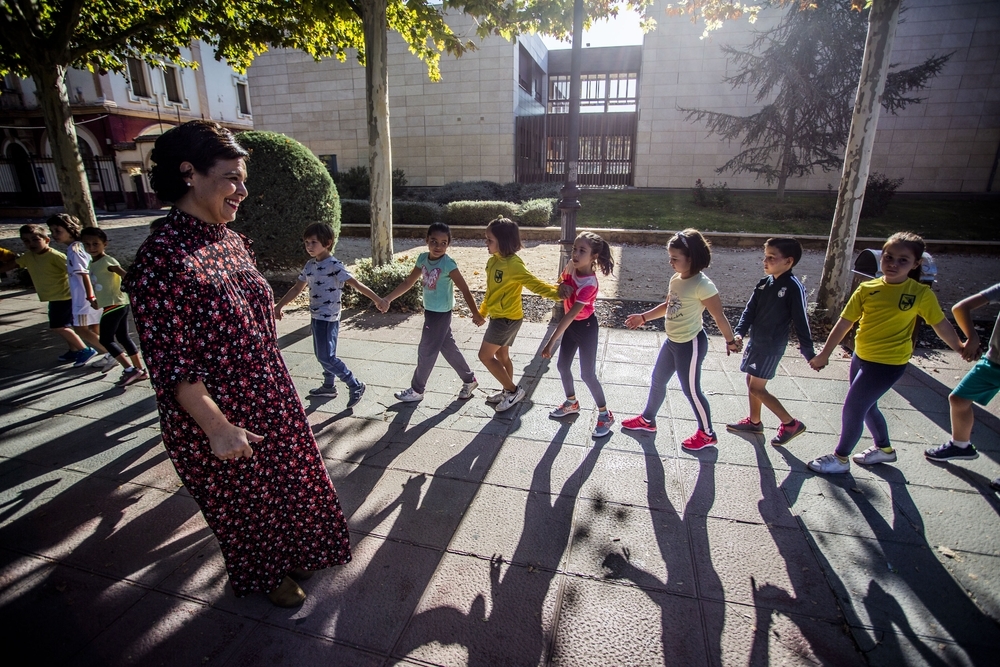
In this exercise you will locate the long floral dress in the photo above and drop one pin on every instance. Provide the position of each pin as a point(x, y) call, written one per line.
point(204, 312)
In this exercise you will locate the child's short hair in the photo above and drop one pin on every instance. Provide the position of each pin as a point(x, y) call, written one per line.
point(507, 234)
point(322, 231)
point(34, 230)
point(787, 246)
point(68, 222)
point(599, 247)
point(439, 228)
point(914, 244)
point(94, 231)
point(693, 244)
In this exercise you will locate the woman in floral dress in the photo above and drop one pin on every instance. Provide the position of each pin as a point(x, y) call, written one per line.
point(231, 419)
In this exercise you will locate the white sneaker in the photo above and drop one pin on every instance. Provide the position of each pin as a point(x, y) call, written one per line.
point(510, 398)
point(829, 465)
point(409, 395)
point(497, 397)
point(468, 390)
point(874, 455)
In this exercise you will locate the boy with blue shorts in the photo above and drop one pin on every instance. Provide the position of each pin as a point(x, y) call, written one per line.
point(979, 385)
point(777, 300)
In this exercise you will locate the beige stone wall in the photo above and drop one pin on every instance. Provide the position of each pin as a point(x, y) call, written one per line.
point(946, 143)
point(459, 128)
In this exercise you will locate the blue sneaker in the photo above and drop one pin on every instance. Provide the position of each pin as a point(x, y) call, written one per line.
point(356, 393)
point(83, 356)
point(68, 356)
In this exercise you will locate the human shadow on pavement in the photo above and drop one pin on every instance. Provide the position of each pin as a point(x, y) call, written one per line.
point(667, 526)
point(978, 481)
point(508, 629)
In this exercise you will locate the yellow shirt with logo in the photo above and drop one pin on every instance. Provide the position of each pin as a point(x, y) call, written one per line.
point(887, 315)
point(505, 276)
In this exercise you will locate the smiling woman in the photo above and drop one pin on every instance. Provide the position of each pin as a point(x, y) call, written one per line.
point(230, 417)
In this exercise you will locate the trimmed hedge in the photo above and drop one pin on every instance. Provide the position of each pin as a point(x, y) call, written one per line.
point(289, 189)
point(533, 213)
point(416, 213)
point(477, 212)
point(382, 280)
point(536, 212)
point(513, 192)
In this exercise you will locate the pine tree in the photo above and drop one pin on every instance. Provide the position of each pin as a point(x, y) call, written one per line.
point(805, 72)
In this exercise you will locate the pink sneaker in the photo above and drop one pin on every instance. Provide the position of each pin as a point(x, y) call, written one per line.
point(700, 440)
point(639, 423)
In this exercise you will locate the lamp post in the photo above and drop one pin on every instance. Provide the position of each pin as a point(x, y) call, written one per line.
point(569, 196)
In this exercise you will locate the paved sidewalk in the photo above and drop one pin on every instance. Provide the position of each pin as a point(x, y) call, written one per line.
point(510, 539)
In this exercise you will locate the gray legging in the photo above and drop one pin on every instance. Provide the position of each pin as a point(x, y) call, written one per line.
point(581, 335)
point(685, 359)
point(437, 339)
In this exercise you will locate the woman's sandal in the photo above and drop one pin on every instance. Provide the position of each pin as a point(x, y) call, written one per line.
point(287, 594)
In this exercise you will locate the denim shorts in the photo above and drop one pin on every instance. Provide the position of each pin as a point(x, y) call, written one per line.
point(501, 331)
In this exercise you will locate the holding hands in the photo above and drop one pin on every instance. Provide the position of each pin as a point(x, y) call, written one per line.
point(970, 349)
point(819, 362)
point(635, 320)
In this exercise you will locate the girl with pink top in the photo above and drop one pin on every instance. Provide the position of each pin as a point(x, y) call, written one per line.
point(579, 326)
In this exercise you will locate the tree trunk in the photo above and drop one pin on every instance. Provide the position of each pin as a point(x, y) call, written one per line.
point(786, 154)
point(379, 150)
point(878, 48)
point(53, 99)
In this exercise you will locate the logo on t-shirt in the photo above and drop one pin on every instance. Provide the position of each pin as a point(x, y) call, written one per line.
point(781, 292)
point(906, 301)
point(431, 277)
point(498, 276)
point(673, 306)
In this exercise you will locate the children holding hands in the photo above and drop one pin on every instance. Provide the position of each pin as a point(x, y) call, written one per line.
point(66, 229)
point(578, 327)
point(325, 275)
point(777, 300)
point(439, 275)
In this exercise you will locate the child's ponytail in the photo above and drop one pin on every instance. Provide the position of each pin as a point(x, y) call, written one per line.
point(600, 248)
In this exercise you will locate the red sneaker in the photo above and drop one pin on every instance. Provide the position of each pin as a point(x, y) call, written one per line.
point(700, 440)
point(639, 424)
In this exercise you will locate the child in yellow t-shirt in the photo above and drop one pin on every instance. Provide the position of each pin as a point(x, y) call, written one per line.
point(887, 309)
point(47, 268)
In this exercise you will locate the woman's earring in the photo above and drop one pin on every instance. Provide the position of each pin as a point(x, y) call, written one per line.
point(188, 183)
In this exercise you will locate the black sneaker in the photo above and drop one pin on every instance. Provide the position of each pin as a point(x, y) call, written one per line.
point(356, 393)
point(949, 451)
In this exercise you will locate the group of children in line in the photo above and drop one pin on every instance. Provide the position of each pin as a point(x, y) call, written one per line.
point(83, 289)
point(86, 305)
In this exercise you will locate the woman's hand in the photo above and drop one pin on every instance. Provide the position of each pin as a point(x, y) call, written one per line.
point(233, 442)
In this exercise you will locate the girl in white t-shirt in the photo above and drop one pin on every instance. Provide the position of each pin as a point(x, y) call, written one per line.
point(66, 229)
point(691, 292)
point(579, 327)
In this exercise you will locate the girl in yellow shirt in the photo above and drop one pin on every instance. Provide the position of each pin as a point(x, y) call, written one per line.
point(505, 276)
point(887, 308)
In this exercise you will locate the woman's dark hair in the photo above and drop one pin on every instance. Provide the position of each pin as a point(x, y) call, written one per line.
point(68, 222)
point(914, 244)
point(200, 142)
point(693, 244)
point(601, 249)
point(439, 228)
point(322, 231)
point(94, 231)
point(787, 247)
point(507, 234)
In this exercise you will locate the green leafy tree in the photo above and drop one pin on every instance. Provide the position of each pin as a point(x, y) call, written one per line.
point(808, 66)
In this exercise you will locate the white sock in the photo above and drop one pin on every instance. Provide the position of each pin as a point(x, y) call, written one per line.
point(961, 444)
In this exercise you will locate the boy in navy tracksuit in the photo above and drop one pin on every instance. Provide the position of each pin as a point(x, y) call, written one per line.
point(778, 299)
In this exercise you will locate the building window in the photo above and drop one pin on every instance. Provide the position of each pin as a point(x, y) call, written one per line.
point(172, 84)
point(598, 92)
point(137, 77)
point(244, 97)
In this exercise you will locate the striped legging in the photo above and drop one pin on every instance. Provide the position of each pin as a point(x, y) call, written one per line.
point(685, 359)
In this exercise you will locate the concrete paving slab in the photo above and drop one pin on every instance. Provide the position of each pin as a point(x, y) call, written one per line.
point(274, 646)
point(518, 460)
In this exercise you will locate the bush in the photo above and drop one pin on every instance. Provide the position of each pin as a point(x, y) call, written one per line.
point(716, 195)
point(382, 280)
point(355, 183)
point(355, 212)
point(536, 212)
point(477, 212)
point(468, 191)
point(416, 213)
point(879, 191)
point(289, 189)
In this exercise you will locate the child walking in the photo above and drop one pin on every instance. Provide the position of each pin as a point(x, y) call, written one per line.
point(778, 299)
point(979, 385)
point(66, 229)
point(326, 276)
point(106, 277)
point(505, 276)
point(578, 328)
point(47, 268)
point(886, 310)
point(690, 293)
point(439, 276)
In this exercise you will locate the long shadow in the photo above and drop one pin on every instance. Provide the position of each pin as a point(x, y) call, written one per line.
point(510, 632)
point(979, 482)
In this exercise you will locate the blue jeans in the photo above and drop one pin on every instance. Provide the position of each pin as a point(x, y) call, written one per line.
point(325, 345)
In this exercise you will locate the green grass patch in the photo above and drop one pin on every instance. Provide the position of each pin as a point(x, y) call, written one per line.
point(961, 219)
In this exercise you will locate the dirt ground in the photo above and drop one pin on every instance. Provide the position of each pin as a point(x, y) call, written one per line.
point(641, 271)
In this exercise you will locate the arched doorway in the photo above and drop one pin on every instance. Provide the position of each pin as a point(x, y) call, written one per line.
point(24, 173)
